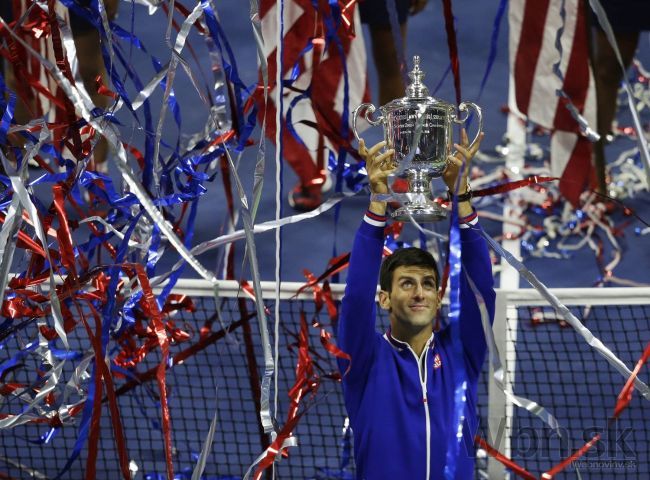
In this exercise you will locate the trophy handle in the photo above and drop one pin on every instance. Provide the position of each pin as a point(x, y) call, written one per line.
point(368, 109)
point(462, 108)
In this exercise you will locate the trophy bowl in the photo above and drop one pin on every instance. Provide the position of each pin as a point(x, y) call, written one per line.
point(419, 128)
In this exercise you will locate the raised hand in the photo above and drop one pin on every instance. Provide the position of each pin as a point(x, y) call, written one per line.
point(378, 165)
point(464, 154)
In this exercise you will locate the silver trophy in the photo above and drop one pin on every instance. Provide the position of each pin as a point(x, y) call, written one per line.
point(419, 128)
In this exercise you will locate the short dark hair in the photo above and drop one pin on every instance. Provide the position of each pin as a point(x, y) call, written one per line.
point(405, 257)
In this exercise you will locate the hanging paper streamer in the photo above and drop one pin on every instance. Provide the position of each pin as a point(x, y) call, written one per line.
point(582, 122)
point(88, 251)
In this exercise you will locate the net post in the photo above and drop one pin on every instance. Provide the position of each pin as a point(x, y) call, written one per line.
point(498, 434)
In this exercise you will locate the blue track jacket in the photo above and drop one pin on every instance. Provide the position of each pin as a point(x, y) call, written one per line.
point(401, 407)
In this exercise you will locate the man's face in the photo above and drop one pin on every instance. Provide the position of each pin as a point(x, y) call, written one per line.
point(413, 300)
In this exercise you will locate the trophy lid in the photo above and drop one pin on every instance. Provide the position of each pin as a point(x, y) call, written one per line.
point(417, 93)
point(416, 88)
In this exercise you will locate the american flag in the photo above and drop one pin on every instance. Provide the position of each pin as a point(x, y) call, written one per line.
point(317, 117)
point(534, 26)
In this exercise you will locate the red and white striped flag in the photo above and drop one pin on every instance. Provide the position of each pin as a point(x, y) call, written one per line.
point(534, 26)
point(317, 119)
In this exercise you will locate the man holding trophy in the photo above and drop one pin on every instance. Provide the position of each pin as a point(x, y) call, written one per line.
point(399, 387)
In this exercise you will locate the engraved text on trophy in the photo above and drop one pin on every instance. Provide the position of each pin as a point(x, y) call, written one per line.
point(432, 126)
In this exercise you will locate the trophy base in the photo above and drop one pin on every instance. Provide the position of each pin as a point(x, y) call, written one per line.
point(420, 213)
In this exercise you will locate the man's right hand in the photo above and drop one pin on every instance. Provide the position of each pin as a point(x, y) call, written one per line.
point(378, 167)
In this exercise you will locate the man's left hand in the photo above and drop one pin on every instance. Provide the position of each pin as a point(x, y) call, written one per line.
point(464, 154)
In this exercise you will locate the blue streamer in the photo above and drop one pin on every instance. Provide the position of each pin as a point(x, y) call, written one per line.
point(173, 105)
point(153, 256)
point(354, 175)
point(18, 357)
point(148, 129)
point(3, 90)
point(46, 437)
point(496, 27)
point(107, 322)
point(83, 425)
point(92, 16)
point(8, 114)
point(289, 117)
point(173, 279)
point(442, 80)
point(230, 67)
point(395, 28)
point(245, 127)
point(61, 354)
point(114, 274)
point(306, 94)
point(460, 375)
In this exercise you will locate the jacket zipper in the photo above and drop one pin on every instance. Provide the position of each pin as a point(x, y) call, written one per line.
point(423, 384)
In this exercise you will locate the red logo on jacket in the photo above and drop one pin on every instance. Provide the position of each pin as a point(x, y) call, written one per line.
point(437, 363)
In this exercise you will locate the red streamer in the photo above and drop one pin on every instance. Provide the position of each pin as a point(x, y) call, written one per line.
point(103, 372)
point(64, 66)
point(510, 186)
point(625, 397)
point(306, 382)
point(516, 469)
point(567, 461)
point(150, 307)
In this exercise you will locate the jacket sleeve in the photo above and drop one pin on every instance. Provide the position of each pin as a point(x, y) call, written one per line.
point(477, 266)
point(356, 327)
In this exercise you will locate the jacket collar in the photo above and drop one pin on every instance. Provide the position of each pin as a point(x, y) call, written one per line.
point(399, 345)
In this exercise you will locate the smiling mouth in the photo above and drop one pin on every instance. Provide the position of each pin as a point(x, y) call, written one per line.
point(418, 307)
